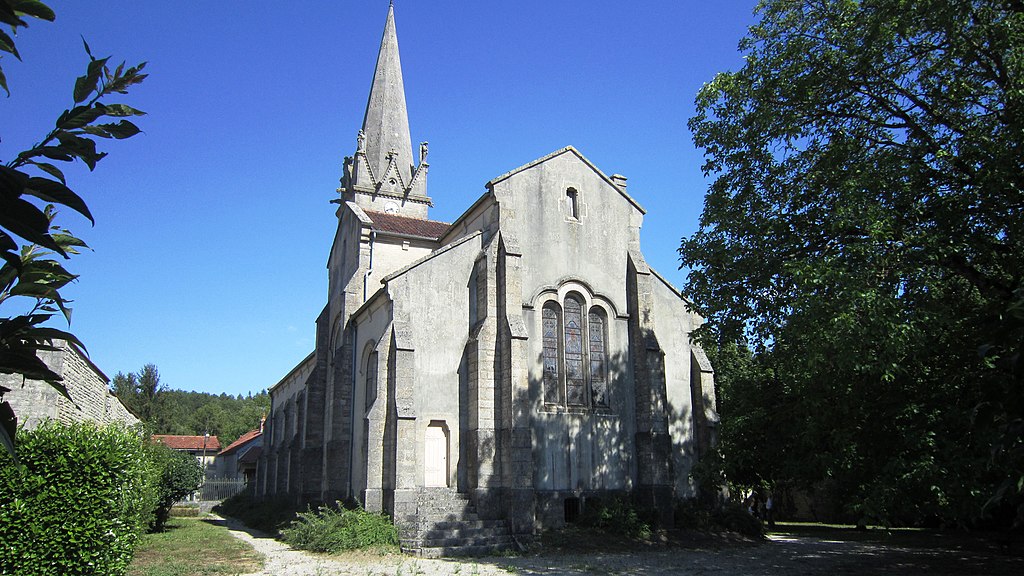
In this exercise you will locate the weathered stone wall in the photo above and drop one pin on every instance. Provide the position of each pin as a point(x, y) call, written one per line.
point(556, 245)
point(282, 446)
point(674, 324)
point(35, 401)
point(431, 300)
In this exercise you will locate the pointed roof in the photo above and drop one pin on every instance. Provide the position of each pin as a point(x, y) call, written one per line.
point(573, 150)
point(386, 123)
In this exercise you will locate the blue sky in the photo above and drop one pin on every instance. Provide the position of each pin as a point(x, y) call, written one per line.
point(212, 228)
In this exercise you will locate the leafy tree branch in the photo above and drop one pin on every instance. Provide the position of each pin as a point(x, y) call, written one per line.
point(32, 243)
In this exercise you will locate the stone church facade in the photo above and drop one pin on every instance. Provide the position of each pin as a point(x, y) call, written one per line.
point(486, 378)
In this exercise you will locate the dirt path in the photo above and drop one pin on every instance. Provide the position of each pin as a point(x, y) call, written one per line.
point(822, 555)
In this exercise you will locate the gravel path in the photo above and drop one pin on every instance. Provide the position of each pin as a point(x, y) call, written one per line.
point(780, 555)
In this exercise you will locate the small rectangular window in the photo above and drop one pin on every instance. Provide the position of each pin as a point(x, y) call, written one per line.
point(572, 203)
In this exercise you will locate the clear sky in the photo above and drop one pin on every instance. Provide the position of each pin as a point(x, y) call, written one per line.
point(213, 227)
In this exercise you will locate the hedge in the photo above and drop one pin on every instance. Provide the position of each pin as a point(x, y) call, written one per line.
point(77, 502)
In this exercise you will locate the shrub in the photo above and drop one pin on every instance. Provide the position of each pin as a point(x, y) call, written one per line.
point(696, 514)
point(618, 516)
point(734, 517)
point(77, 503)
point(333, 530)
point(693, 514)
point(177, 475)
point(269, 515)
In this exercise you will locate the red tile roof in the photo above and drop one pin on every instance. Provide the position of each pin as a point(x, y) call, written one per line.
point(243, 439)
point(188, 442)
point(405, 225)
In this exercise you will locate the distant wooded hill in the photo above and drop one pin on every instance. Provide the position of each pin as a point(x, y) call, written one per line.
point(168, 411)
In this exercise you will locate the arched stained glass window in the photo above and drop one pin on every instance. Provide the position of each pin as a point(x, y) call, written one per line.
point(575, 383)
point(551, 336)
point(598, 357)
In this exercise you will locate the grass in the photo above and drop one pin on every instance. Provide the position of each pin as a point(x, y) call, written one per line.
point(193, 547)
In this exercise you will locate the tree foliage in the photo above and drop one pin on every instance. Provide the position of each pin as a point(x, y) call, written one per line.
point(178, 475)
point(862, 239)
point(32, 243)
point(168, 411)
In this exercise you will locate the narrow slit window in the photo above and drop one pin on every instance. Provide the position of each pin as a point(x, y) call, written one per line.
point(572, 203)
point(371, 379)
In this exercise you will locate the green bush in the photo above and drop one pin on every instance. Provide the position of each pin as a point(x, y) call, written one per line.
point(268, 515)
point(618, 516)
point(77, 503)
point(333, 530)
point(736, 518)
point(177, 474)
point(696, 514)
point(693, 514)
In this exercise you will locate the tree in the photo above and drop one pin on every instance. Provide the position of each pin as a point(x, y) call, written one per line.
point(167, 411)
point(139, 391)
point(863, 236)
point(31, 186)
point(178, 474)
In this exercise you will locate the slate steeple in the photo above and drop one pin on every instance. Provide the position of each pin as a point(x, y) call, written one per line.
point(381, 176)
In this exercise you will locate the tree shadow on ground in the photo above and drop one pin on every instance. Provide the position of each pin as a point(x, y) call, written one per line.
point(818, 552)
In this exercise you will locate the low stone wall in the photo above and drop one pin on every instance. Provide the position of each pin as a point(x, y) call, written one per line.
point(35, 401)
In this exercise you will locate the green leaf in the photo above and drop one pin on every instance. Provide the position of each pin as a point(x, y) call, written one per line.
point(51, 170)
point(8, 248)
point(24, 219)
point(8, 16)
point(3, 82)
point(49, 291)
point(79, 116)
point(87, 50)
point(12, 182)
point(86, 85)
point(7, 45)
point(121, 110)
point(83, 148)
point(45, 271)
point(67, 240)
point(120, 130)
point(47, 333)
point(20, 325)
point(58, 193)
point(34, 8)
point(24, 361)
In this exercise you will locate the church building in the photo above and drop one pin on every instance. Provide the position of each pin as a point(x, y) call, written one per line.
point(485, 379)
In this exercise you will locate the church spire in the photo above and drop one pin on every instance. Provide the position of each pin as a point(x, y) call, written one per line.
point(381, 174)
point(386, 124)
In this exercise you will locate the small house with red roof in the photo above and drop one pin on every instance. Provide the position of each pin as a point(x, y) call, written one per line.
point(239, 459)
point(204, 447)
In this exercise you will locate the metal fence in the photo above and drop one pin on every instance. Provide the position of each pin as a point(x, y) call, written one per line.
point(216, 489)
